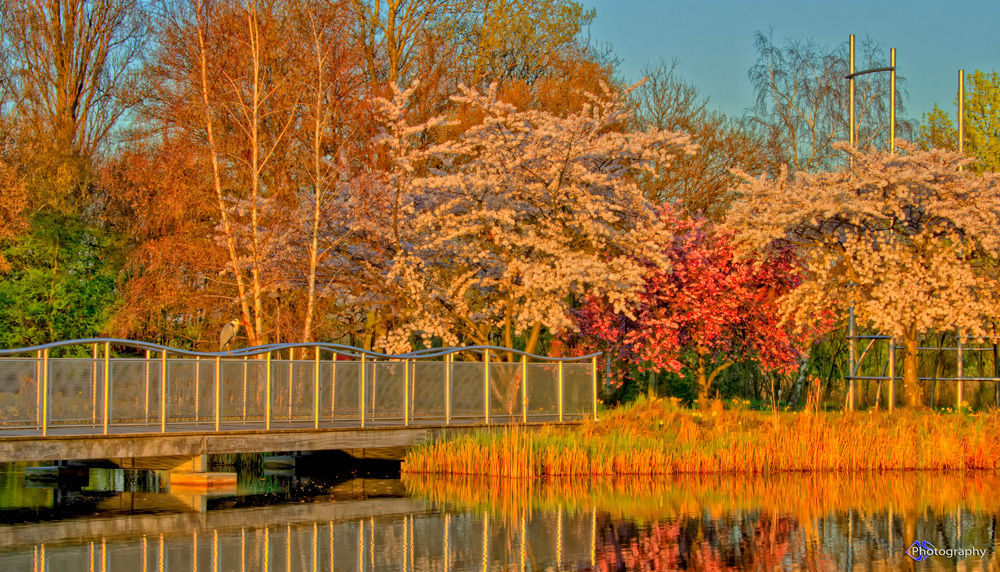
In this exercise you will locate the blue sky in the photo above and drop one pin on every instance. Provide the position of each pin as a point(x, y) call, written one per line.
point(712, 41)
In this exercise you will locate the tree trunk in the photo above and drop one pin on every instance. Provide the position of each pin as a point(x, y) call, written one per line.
point(911, 385)
point(702, 382)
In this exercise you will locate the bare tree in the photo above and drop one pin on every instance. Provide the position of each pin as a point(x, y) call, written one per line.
point(74, 67)
point(699, 183)
point(802, 100)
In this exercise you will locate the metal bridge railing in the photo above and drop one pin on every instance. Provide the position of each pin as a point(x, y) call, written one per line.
point(170, 390)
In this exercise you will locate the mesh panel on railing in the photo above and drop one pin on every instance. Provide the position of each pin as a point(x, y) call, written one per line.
point(467, 400)
point(19, 392)
point(505, 392)
point(577, 391)
point(427, 389)
point(543, 390)
point(344, 393)
point(385, 390)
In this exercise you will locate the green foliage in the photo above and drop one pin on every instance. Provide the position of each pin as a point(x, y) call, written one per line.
point(982, 122)
point(60, 283)
point(937, 130)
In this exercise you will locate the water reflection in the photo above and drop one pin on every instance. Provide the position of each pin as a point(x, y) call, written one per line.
point(785, 522)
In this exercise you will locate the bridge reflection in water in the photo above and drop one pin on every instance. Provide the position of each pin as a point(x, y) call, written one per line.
point(839, 521)
point(410, 542)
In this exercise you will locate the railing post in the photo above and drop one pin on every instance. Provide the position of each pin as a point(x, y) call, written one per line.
point(960, 361)
point(560, 391)
point(406, 392)
point(197, 388)
point(267, 392)
point(361, 390)
point(93, 387)
point(145, 370)
point(107, 385)
point(44, 392)
point(163, 391)
point(486, 384)
point(447, 389)
point(593, 383)
point(218, 391)
point(316, 392)
point(245, 388)
point(524, 389)
point(38, 387)
point(892, 374)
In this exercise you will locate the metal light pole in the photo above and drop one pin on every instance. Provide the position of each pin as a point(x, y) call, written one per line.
point(892, 98)
point(961, 111)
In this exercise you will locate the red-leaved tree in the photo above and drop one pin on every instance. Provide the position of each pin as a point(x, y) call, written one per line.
point(711, 309)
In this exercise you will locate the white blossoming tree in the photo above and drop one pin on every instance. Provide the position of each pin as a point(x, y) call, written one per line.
point(911, 238)
point(505, 224)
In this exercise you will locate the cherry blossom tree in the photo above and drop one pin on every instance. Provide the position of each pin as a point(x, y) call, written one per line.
point(909, 238)
point(523, 212)
point(709, 310)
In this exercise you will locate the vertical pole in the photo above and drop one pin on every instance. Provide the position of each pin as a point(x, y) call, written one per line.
point(892, 373)
point(146, 375)
point(447, 389)
point(852, 365)
point(361, 390)
point(593, 374)
point(44, 392)
point(291, 370)
point(38, 387)
point(218, 391)
point(486, 384)
point(316, 391)
point(197, 387)
point(267, 392)
point(560, 390)
point(524, 389)
point(245, 358)
point(93, 387)
point(961, 111)
point(333, 383)
point(406, 391)
point(892, 100)
point(107, 385)
point(960, 361)
point(163, 391)
point(851, 137)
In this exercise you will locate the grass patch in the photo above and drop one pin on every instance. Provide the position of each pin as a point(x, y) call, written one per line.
point(653, 437)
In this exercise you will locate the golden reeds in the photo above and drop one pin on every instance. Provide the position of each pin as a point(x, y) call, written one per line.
point(657, 437)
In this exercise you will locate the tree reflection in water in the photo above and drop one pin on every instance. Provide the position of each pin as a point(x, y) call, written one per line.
point(699, 522)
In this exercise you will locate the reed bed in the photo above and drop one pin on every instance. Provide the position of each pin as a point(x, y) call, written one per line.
point(655, 437)
point(806, 495)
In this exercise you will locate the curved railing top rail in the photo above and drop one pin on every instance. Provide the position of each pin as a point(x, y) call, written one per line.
point(351, 351)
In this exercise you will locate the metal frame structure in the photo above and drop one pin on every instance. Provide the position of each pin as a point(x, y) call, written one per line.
point(887, 371)
point(102, 394)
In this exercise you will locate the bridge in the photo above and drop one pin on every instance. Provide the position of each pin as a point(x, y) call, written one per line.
point(102, 398)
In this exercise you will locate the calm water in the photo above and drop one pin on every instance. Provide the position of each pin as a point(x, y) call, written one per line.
point(115, 520)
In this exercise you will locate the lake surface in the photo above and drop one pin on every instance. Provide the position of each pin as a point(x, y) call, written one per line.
point(115, 520)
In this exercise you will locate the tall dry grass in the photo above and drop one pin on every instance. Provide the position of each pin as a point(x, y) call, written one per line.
point(658, 437)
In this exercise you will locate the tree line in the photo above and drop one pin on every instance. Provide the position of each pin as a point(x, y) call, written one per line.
point(397, 173)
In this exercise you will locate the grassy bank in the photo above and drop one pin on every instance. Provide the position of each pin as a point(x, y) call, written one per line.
point(658, 437)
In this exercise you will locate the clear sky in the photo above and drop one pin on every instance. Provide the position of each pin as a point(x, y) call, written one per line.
point(712, 41)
